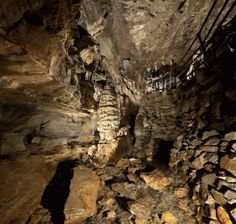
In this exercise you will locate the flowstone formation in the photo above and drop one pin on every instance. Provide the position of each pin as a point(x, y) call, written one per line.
point(103, 121)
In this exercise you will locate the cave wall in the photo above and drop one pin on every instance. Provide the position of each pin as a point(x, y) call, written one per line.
point(199, 116)
point(202, 103)
point(56, 57)
point(207, 162)
point(43, 131)
point(80, 44)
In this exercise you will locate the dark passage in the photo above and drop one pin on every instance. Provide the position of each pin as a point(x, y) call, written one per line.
point(162, 153)
point(57, 191)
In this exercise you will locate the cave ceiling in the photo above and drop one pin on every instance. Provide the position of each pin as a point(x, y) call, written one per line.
point(41, 44)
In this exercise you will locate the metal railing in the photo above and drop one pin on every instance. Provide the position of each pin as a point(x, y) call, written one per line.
point(205, 42)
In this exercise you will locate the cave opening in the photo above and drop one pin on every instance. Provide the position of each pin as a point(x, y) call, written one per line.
point(57, 191)
point(162, 153)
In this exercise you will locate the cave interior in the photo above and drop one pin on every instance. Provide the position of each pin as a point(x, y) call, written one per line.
point(117, 112)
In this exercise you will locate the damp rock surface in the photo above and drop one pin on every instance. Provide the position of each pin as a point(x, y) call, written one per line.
point(22, 185)
point(212, 177)
point(81, 202)
point(83, 140)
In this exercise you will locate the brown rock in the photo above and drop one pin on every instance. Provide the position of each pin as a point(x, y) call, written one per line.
point(230, 136)
point(133, 169)
point(181, 192)
point(212, 157)
point(214, 222)
point(132, 177)
point(196, 142)
point(128, 190)
point(234, 147)
point(168, 218)
point(140, 211)
point(111, 215)
point(228, 185)
point(81, 202)
point(208, 148)
point(40, 215)
point(209, 166)
point(141, 221)
point(199, 162)
point(23, 182)
point(219, 197)
point(228, 164)
point(122, 163)
point(230, 195)
point(223, 216)
point(208, 179)
point(125, 217)
point(201, 124)
point(210, 200)
point(208, 134)
point(223, 146)
point(233, 213)
point(212, 212)
point(156, 180)
point(135, 161)
point(200, 213)
point(88, 56)
point(183, 204)
point(228, 179)
point(212, 141)
point(107, 202)
point(203, 194)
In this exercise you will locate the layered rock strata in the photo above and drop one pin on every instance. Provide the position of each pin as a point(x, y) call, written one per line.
point(208, 161)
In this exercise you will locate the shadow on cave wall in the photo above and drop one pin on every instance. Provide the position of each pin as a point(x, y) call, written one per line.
point(57, 191)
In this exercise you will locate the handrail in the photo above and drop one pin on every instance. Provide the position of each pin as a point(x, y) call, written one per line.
point(209, 31)
point(204, 42)
point(204, 23)
point(229, 11)
point(216, 19)
point(221, 22)
point(208, 15)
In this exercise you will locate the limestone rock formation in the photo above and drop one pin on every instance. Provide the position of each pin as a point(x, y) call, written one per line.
point(23, 181)
point(117, 111)
point(157, 180)
point(81, 202)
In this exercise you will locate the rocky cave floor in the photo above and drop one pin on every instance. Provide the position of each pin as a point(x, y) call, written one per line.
point(131, 191)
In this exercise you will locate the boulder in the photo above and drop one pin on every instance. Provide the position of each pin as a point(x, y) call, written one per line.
point(81, 202)
point(156, 180)
point(23, 182)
